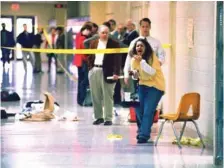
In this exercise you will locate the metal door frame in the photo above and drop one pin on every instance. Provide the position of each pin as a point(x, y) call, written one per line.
point(218, 144)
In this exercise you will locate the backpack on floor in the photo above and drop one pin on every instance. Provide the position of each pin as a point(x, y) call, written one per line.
point(3, 114)
point(9, 96)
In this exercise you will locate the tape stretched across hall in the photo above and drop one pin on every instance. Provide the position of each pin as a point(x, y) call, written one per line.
point(78, 51)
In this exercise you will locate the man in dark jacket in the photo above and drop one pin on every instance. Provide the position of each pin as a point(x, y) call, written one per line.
point(101, 67)
point(26, 40)
point(7, 40)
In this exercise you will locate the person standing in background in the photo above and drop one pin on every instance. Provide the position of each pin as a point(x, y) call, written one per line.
point(26, 40)
point(52, 40)
point(60, 44)
point(37, 43)
point(80, 61)
point(7, 40)
point(102, 66)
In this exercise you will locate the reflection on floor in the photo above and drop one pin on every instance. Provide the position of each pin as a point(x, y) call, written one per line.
point(79, 144)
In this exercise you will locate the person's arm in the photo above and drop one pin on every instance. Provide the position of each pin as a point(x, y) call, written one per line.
point(127, 66)
point(135, 71)
point(117, 61)
point(161, 53)
point(18, 39)
point(121, 44)
point(87, 41)
point(147, 68)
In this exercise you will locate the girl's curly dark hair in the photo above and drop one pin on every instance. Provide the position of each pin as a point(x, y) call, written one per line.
point(148, 53)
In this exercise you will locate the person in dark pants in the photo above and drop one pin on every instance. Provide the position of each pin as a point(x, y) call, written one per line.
point(52, 40)
point(37, 43)
point(146, 67)
point(60, 44)
point(7, 40)
point(80, 61)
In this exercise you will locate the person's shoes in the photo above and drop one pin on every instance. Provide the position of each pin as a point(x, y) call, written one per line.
point(141, 141)
point(98, 121)
point(87, 104)
point(108, 123)
point(36, 71)
point(60, 72)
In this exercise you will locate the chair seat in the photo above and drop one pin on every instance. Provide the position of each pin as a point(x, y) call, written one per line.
point(169, 116)
point(174, 117)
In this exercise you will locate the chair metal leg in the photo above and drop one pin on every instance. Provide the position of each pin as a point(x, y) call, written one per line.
point(160, 131)
point(182, 130)
point(199, 134)
point(175, 133)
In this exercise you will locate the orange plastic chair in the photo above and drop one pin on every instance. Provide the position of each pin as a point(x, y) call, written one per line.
point(187, 101)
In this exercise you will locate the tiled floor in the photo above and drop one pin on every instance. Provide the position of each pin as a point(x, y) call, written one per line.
point(66, 144)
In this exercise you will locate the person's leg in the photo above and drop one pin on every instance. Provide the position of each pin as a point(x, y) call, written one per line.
point(24, 54)
point(108, 92)
point(56, 61)
point(95, 78)
point(117, 93)
point(3, 56)
point(80, 79)
point(61, 59)
point(7, 55)
point(49, 61)
point(151, 99)
point(84, 83)
point(32, 59)
point(140, 108)
point(37, 66)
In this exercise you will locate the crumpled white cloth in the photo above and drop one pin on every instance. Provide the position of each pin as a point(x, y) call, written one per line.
point(35, 108)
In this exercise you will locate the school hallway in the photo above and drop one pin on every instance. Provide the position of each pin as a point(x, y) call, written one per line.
point(67, 144)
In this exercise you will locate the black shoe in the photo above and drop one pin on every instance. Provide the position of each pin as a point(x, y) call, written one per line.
point(60, 72)
point(108, 123)
point(140, 141)
point(98, 121)
point(36, 71)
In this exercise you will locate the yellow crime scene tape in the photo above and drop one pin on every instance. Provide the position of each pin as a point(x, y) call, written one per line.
point(77, 51)
point(74, 51)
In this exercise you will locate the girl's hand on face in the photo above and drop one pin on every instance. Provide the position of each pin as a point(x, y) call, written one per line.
point(138, 57)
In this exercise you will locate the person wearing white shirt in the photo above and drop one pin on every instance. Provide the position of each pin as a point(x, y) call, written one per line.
point(145, 26)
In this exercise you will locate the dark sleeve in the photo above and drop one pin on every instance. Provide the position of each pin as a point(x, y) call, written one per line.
point(121, 44)
point(18, 39)
point(12, 41)
point(88, 41)
point(117, 60)
point(90, 58)
point(63, 41)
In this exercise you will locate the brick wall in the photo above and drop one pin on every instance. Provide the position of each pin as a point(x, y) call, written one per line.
point(195, 68)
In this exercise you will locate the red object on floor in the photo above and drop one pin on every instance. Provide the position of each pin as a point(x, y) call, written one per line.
point(133, 115)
